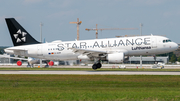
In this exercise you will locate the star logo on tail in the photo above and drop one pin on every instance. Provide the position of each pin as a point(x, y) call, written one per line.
point(20, 36)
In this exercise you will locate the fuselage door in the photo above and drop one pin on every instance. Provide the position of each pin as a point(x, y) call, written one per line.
point(153, 43)
point(39, 50)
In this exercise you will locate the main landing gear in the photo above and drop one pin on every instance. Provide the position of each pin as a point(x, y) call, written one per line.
point(96, 65)
point(155, 62)
point(30, 65)
point(46, 66)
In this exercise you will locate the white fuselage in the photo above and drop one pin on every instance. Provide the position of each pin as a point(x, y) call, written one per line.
point(57, 50)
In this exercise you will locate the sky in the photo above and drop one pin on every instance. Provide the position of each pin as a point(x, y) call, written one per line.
point(159, 17)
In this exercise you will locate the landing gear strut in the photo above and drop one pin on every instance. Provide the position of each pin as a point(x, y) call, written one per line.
point(46, 66)
point(30, 65)
point(96, 65)
point(155, 59)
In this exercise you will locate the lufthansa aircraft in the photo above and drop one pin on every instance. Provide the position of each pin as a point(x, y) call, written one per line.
point(113, 49)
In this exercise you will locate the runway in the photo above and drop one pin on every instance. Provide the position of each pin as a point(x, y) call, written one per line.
point(92, 72)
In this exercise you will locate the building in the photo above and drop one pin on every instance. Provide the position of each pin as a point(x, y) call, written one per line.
point(5, 59)
point(147, 60)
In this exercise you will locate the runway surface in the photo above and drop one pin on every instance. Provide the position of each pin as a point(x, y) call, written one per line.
point(92, 72)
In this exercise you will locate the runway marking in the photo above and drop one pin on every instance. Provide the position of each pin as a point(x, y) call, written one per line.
point(93, 72)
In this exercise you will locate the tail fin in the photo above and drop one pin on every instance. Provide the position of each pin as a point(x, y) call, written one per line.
point(18, 34)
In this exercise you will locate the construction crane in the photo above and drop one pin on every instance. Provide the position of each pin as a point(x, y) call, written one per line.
point(78, 23)
point(96, 29)
point(127, 36)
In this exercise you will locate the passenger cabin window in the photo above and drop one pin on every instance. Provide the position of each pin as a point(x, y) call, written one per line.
point(165, 41)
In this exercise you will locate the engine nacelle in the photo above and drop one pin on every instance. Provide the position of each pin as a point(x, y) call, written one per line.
point(115, 57)
point(83, 57)
point(33, 60)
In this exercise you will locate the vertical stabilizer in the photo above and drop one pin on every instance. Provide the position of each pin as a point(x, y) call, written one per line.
point(18, 34)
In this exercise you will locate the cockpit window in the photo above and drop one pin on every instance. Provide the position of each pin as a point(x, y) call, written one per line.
point(165, 41)
point(169, 40)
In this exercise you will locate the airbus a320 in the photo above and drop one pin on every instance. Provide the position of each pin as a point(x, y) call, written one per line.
point(113, 49)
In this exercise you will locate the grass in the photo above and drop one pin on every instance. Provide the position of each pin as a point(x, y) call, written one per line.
point(90, 87)
point(89, 69)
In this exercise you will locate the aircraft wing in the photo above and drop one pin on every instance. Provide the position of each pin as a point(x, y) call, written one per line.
point(3, 56)
point(90, 53)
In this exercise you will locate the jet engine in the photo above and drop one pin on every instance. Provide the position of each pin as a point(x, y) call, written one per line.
point(115, 57)
point(19, 63)
point(83, 57)
point(33, 60)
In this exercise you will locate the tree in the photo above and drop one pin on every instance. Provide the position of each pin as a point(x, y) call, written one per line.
point(178, 59)
point(166, 54)
point(1, 51)
point(173, 58)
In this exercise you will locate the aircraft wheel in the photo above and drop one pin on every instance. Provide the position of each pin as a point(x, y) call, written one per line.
point(94, 66)
point(98, 65)
point(46, 66)
point(28, 66)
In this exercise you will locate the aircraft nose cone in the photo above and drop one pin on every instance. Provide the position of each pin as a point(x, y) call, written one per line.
point(175, 46)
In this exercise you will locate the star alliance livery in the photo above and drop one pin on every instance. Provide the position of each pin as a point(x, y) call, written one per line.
point(114, 50)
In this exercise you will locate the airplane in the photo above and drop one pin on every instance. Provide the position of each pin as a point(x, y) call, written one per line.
point(114, 50)
point(31, 61)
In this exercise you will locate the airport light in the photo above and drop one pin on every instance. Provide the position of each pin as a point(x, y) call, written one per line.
point(141, 35)
point(41, 41)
